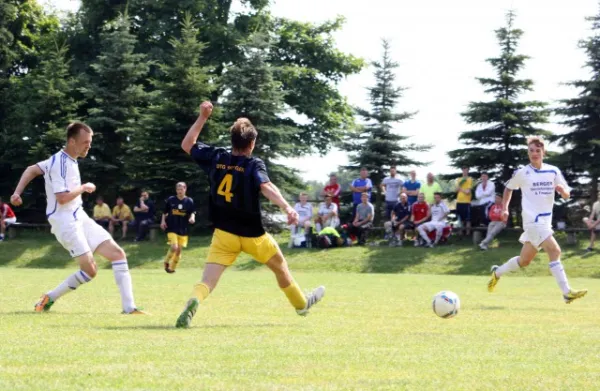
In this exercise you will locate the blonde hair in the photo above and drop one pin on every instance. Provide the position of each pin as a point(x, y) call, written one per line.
point(537, 141)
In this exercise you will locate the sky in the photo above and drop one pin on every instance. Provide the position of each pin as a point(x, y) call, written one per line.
point(441, 47)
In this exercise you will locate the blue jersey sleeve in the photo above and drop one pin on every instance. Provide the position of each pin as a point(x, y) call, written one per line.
point(260, 173)
point(203, 155)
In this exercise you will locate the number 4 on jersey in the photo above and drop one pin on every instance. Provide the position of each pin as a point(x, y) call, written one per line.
point(225, 187)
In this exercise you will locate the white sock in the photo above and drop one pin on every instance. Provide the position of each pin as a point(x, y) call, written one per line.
point(293, 229)
point(557, 270)
point(70, 284)
point(123, 280)
point(509, 266)
point(318, 228)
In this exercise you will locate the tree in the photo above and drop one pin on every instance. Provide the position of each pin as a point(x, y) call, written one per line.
point(378, 145)
point(580, 160)
point(499, 147)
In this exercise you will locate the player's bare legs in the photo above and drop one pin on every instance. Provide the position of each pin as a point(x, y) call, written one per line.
point(124, 229)
point(173, 253)
point(552, 248)
point(210, 278)
point(528, 252)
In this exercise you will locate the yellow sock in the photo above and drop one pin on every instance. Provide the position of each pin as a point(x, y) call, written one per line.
point(170, 254)
point(201, 291)
point(295, 296)
point(174, 261)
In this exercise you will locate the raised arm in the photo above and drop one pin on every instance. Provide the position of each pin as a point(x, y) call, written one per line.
point(29, 174)
point(191, 137)
point(272, 193)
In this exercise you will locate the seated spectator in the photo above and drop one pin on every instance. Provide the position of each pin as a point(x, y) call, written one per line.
point(412, 187)
point(102, 214)
point(464, 195)
point(485, 195)
point(363, 220)
point(359, 186)
point(327, 216)
point(144, 215)
point(333, 189)
point(496, 224)
point(439, 211)
point(430, 188)
point(593, 224)
point(7, 217)
point(330, 237)
point(391, 186)
point(400, 221)
point(305, 212)
point(121, 216)
point(420, 212)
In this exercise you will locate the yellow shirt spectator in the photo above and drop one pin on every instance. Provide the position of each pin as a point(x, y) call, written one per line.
point(122, 212)
point(102, 212)
point(464, 184)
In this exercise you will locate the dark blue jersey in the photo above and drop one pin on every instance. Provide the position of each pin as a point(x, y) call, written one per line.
point(234, 189)
point(178, 214)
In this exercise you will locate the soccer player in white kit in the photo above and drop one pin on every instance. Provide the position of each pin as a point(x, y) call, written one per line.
point(439, 212)
point(74, 229)
point(538, 181)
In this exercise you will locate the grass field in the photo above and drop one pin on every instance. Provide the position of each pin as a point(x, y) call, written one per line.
point(373, 331)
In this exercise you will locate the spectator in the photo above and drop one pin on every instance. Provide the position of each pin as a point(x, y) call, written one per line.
point(484, 194)
point(332, 189)
point(363, 220)
point(439, 211)
point(102, 213)
point(144, 215)
point(593, 223)
point(420, 212)
point(464, 195)
point(327, 215)
point(7, 217)
point(391, 186)
point(400, 222)
point(412, 188)
point(305, 212)
point(359, 186)
point(330, 237)
point(496, 224)
point(430, 188)
point(121, 215)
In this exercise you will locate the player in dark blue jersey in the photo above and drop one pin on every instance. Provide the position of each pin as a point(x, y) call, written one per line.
point(179, 212)
point(236, 181)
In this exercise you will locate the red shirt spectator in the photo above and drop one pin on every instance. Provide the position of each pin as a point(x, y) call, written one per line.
point(332, 189)
point(6, 211)
point(420, 209)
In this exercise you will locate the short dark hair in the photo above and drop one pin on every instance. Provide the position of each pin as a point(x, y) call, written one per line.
point(364, 168)
point(120, 198)
point(437, 193)
point(75, 128)
point(99, 198)
point(243, 133)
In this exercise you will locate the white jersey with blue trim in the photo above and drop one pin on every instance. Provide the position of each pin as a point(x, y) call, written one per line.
point(61, 174)
point(537, 192)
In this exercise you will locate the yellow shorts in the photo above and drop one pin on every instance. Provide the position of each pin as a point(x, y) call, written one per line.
point(173, 238)
point(225, 247)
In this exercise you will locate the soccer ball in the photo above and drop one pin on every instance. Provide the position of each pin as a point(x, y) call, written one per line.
point(446, 304)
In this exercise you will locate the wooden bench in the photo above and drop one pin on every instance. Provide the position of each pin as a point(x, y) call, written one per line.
point(14, 228)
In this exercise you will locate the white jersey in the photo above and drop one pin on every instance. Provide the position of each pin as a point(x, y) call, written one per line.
point(537, 192)
point(304, 211)
point(61, 174)
point(325, 210)
point(438, 212)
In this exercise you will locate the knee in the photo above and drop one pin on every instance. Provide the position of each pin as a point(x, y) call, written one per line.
point(387, 225)
point(174, 248)
point(554, 253)
point(178, 250)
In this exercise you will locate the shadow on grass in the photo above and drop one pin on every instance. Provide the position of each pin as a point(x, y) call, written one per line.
point(249, 265)
point(383, 259)
point(211, 326)
point(12, 249)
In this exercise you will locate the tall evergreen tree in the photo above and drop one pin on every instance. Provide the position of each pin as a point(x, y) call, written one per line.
point(499, 147)
point(581, 158)
point(117, 97)
point(376, 145)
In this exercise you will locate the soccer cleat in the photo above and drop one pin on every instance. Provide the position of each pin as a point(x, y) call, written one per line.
point(494, 280)
point(572, 295)
point(311, 299)
point(185, 319)
point(44, 304)
point(136, 311)
point(482, 246)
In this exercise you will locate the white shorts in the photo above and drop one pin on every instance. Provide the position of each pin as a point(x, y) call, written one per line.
point(10, 220)
point(433, 225)
point(536, 234)
point(79, 236)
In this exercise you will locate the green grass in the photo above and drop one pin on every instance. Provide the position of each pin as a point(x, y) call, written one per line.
point(371, 332)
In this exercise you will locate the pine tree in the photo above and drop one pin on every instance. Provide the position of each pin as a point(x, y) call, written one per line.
point(499, 147)
point(378, 145)
point(117, 96)
point(581, 159)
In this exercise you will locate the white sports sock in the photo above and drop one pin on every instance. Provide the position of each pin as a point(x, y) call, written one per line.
point(557, 270)
point(293, 229)
point(423, 234)
point(318, 228)
point(70, 284)
point(509, 266)
point(123, 280)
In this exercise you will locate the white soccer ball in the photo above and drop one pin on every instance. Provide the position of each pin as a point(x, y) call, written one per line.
point(446, 304)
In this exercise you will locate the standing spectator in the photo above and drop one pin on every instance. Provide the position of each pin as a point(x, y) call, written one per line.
point(332, 189)
point(593, 223)
point(400, 222)
point(430, 188)
point(391, 186)
point(464, 195)
point(439, 211)
point(102, 214)
point(121, 215)
point(363, 219)
point(485, 196)
point(327, 215)
point(412, 187)
point(305, 213)
point(496, 224)
point(144, 215)
point(420, 212)
point(7, 217)
point(359, 186)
